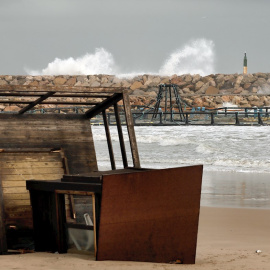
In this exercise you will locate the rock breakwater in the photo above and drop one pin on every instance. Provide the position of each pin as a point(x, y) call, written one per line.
point(251, 90)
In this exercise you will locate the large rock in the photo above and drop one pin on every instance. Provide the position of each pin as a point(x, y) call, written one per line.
point(136, 85)
point(59, 80)
point(3, 82)
point(211, 90)
point(12, 108)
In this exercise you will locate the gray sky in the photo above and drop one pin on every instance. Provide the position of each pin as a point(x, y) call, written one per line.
point(140, 34)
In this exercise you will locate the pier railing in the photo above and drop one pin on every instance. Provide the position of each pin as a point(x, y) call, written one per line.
point(194, 116)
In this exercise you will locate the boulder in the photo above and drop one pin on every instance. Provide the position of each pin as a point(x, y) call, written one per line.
point(198, 85)
point(71, 81)
point(136, 85)
point(188, 78)
point(59, 80)
point(95, 84)
point(3, 82)
point(211, 90)
point(12, 108)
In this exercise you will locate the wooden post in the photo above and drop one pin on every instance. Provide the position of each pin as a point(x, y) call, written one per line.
point(237, 119)
point(109, 141)
point(260, 121)
point(3, 240)
point(131, 131)
point(186, 121)
point(120, 135)
point(212, 119)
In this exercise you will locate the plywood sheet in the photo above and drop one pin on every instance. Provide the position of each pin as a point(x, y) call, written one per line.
point(150, 216)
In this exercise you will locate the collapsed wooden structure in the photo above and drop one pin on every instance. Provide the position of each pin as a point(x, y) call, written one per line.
point(129, 213)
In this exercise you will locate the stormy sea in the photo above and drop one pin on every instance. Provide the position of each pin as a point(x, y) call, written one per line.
point(235, 159)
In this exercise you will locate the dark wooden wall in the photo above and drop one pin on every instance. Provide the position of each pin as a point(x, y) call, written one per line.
point(25, 141)
point(72, 133)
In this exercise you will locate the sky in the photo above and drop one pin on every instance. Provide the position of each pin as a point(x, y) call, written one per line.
point(140, 36)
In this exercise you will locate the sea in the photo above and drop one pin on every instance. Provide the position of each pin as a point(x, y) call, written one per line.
point(235, 159)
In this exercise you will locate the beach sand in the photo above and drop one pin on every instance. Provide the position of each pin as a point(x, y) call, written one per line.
point(228, 239)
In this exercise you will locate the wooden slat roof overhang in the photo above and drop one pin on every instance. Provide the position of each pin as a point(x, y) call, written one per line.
point(31, 96)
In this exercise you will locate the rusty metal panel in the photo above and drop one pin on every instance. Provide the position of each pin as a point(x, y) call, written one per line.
point(150, 216)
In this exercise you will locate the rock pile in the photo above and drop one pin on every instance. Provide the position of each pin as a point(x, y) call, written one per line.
point(210, 91)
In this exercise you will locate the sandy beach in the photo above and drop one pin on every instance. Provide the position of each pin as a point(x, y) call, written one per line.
point(228, 239)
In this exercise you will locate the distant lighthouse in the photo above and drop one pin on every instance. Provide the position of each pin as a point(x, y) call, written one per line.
point(245, 64)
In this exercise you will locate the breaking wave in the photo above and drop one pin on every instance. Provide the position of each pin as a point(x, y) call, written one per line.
point(196, 57)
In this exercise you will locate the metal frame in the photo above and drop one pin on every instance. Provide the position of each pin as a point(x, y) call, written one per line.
point(83, 193)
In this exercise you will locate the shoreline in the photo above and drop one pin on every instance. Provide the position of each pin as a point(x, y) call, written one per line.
point(227, 239)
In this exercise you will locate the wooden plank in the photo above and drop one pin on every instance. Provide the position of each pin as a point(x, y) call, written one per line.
point(21, 165)
point(30, 171)
point(109, 141)
point(35, 177)
point(34, 103)
point(103, 105)
point(6, 184)
point(18, 210)
point(3, 243)
point(131, 131)
point(16, 196)
point(19, 203)
point(62, 88)
point(121, 137)
point(11, 190)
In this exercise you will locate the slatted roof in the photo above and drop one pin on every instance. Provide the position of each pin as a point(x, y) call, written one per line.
point(28, 97)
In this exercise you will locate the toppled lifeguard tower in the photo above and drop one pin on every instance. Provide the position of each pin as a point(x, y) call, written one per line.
point(127, 213)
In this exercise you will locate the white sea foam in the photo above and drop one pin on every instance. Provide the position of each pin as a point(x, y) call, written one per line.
point(96, 63)
point(222, 148)
point(196, 57)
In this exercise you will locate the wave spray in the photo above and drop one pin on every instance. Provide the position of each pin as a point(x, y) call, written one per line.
point(196, 57)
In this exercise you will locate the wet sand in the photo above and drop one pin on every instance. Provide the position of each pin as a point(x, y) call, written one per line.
point(228, 239)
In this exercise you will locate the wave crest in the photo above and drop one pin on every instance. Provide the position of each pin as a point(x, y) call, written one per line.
point(196, 57)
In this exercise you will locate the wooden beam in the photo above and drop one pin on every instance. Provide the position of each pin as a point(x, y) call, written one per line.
point(37, 94)
point(120, 135)
point(103, 105)
point(33, 104)
point(131, 131)
point(109, 141)
point(3, 241)
point(62, 88)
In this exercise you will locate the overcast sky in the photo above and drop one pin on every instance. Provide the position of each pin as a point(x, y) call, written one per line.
point(140, 34)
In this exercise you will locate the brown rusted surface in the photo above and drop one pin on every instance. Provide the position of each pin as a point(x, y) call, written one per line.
point(150, 216)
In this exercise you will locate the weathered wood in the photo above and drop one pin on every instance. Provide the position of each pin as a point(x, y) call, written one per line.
point(109, 141)
point(31, 164)
point(61, 88)
point(103, 105)
point(33, 104)
point(131, 131)
point(3, 243)
point(30, 170)
point(15, 172)
point(121, 137)
point(51, 186)
point(16, 196)
point(37, 177)
point(72, 133)
point(18, 203)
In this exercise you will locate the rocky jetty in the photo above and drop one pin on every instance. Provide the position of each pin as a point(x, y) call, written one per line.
point(215, 90)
